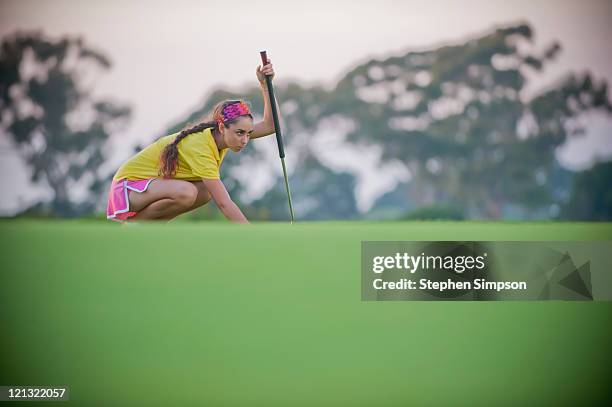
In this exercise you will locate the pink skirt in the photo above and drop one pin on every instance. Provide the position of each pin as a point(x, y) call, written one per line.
point(118, 207)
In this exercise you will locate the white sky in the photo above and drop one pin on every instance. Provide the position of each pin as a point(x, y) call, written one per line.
point(168, 54)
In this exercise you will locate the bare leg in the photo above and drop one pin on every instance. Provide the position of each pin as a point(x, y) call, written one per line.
point(164, 209)
point(167, 198)
point(164, 198)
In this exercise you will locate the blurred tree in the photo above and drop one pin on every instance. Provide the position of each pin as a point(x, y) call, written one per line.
point(47, 109)
point(456, 116)
point(591, 197)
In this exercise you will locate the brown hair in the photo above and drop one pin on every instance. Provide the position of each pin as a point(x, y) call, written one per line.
point(168, 162)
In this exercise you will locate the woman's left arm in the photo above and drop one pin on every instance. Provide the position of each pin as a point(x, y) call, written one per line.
point(266, 126)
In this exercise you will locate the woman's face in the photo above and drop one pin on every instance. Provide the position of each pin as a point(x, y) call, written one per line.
point(237, 134)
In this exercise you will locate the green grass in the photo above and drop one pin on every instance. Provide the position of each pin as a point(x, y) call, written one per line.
point(218, 314)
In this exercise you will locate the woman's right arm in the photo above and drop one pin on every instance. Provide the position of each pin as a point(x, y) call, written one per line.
point(223, 201)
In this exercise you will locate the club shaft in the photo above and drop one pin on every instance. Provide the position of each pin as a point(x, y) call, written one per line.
point(287, 188)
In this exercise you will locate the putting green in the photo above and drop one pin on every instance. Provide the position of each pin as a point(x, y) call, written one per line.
point(270, 314)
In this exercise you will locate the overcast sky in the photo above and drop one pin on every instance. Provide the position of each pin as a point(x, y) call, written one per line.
point(167, 55)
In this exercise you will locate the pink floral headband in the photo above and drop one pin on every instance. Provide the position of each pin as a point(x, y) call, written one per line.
point(232, 111)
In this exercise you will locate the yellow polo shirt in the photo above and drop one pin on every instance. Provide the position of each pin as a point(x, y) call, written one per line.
point(198, 158)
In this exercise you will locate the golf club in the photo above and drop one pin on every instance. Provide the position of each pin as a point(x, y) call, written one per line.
point(277, 129)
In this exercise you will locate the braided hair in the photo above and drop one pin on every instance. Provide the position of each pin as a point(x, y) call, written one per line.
point(168, 163)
